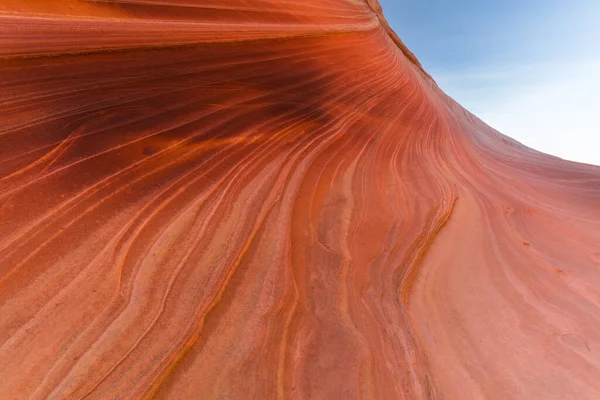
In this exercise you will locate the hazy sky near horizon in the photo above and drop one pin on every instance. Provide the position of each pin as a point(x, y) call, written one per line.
point(530, 69)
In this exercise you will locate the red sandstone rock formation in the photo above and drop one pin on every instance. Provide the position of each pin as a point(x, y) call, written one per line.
point(270, 199)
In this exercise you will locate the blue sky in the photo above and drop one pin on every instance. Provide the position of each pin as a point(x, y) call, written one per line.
point(529, 68)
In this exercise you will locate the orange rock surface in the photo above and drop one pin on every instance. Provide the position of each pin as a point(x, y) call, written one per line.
point(270, 199)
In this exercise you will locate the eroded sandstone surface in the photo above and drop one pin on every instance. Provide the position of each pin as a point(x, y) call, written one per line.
point(271, 199)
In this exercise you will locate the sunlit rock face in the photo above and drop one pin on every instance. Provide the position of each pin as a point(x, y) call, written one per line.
point(270, 199)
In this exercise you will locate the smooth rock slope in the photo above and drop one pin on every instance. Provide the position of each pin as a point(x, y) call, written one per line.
point(270, 199)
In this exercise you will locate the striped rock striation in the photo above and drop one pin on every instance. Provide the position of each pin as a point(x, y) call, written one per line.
point(270, 199)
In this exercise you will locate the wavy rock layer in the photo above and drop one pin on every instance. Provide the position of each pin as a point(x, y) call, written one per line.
point(271, 199)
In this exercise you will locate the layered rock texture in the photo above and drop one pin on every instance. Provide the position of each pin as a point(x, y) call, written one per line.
point(270, 199)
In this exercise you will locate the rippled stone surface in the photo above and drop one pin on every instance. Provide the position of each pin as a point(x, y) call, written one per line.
point(235, 199)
